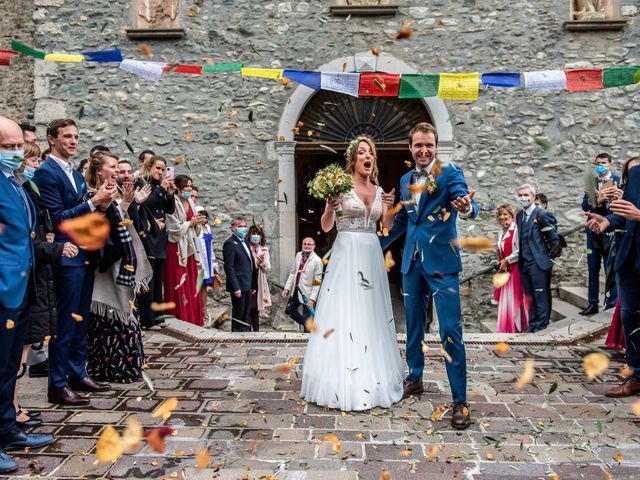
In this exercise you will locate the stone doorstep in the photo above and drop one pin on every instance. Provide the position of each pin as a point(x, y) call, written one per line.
point(576, 295)
point(235, 474)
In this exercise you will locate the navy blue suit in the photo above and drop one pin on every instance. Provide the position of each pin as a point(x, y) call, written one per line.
point(627, 267)
point(242, 274)
point(17, 259)
point(534, 264)
point(73, 277)
point(599, 246)
point(430, 266)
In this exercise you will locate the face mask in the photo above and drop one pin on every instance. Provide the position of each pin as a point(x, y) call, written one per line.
point(601, 169)
point(255, 239)
point(28, 173)
point(241, 232)
point(11, 160)
point(307, 249)
point(185, 195)
point(525, 201)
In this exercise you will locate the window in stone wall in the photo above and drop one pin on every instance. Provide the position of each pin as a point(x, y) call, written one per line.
point(155, 19)
point(363, 7)
point(594, 15)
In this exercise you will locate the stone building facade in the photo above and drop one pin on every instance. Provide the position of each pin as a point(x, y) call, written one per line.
point(243, 152)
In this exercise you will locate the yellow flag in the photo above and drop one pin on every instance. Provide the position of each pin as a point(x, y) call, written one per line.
point(262, 72)
point(63, 57)
point(459, 86)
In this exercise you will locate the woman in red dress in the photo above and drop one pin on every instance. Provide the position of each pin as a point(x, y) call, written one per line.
point(181, 270)
point(512, 316)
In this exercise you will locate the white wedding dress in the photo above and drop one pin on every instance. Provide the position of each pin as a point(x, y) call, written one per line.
point(358, 365)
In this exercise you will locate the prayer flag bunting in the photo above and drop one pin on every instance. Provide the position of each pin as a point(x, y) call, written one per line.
point(5, 56)
point(147, 70)
point(551, 79)
point(418, 86)
point(581, 80)
point(379, 85)
point(26, 49)
point(222, 67)
point(619, 76)
point(262, 72)
point(63, 57)
point(340, 82)
point(308, 79)
point(501, 79)
point(190, 68)
point(103, 56)
point(459, 86)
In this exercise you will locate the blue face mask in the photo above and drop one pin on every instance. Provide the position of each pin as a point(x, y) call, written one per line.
point(11, 160)
point(601, 169)
point(27, 174)
point(255, 239)
point(241, 232)
point(185, 195)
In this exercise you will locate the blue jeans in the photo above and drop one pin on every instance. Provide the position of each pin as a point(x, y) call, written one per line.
point(600, 247)
point(628, 280)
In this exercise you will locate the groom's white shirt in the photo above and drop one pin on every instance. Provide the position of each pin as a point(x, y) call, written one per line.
point(312, 271)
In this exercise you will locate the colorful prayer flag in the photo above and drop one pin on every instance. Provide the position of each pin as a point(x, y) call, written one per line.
point(340, 82)
point(550, 79)
point(147, 70)
point(64, 57)
point(459, 86)
point(418, 86)
point(501, 79)
point(190, 68)
point(26, 49)
point(222, 67)
point(619, 76)
point(5, 56)
point(103, 56)
point(379, 85)
point(582, 80)
point(308, 79)
point(262, 72)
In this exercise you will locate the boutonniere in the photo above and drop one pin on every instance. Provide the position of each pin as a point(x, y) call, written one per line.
point(431, 184)
point(83, 186)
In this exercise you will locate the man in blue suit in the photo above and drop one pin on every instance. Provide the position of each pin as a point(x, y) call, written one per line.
point(17, 288)
point(625, 217)
point(538, 245)
point(61, 189)
point(599, 244)
point(433, 195)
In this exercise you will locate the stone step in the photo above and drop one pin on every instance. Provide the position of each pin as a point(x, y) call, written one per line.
point(488, 326)
point(236, 474)
point(561, 309)
point(574, 295)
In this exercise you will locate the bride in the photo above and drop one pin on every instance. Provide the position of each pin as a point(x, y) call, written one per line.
point(352, 360)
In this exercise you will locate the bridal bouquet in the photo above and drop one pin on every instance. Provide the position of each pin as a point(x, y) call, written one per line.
point(330, 182)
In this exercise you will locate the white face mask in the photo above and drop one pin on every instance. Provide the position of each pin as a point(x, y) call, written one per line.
point(307, 249)
point(525, 201)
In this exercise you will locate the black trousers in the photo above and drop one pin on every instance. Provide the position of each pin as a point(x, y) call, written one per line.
point(292, 309)
point(148, 316)
point(240, 312)
point(535, 283)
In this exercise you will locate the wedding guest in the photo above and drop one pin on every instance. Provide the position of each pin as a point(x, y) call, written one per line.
point(143, 159)
point(195, 194)
point(153, 211)
point(261, 298)
point(208, 262)
point(181, 272)
point(303, 283)
point(512, 316)
point(115, 351)
point(29, 132)
point(242, 274)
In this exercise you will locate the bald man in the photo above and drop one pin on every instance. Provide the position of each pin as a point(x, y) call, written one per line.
point(17, 290)
point(303, 283)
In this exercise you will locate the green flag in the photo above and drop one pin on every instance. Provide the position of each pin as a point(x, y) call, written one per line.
point(619, 76)
point(418, 86)
point(26, 49)
point(222, 67)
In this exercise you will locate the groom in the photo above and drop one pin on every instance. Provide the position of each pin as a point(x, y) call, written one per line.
point(435, 194)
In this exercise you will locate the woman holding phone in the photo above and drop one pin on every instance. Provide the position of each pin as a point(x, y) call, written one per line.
point(181, 274)
point(156, 207)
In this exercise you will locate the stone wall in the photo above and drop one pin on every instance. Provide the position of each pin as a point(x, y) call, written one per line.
point(233, 119)
point(16, 82)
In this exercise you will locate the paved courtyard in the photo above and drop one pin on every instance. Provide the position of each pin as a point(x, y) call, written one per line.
point(234, 402)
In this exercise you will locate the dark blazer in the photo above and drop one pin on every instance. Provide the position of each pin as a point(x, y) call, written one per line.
point(630, 240)
point(542, 229)
point(157, 206)
point(239, 266)
point(600, 209)
point(61, 199)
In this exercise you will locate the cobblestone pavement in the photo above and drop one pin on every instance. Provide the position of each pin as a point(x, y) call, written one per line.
point(234, 402)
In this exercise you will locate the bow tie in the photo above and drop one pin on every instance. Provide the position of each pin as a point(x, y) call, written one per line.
point(420, 173)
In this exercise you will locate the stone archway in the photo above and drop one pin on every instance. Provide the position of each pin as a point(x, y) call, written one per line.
point(284, 149)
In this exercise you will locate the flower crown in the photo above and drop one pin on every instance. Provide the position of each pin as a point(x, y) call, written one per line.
point(355, 142)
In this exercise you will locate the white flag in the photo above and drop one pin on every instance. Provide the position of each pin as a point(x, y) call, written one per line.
point(552, 79)
point(341, 82)
point(148, 70)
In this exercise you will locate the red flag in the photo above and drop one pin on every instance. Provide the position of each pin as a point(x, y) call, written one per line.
point(191, 68)
point(379, 85)
point(5, 56)
point(581, 80)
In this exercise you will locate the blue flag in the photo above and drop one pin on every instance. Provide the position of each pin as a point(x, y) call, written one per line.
point(309, 79)
point(103, 56)
point(505, 79)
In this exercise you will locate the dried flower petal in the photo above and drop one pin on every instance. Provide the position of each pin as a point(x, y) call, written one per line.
point(165, 409)
point(594, 364)
point(501, 279)
point(526, 376)
point(109, 446)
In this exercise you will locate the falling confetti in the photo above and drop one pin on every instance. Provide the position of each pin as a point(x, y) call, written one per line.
point(132, 436)
point(89, 231)
point(328, 333)
point(501, 279)
point(165, 409)
point(76, 317)
point(202, 459)
point(161, 307)
point(389, 262)
point(404, 33)
point(10, 324)
point(502, 348)
point(526, 376)
point(337, 448)
point(475, 243)
point(595, 364)
point(109, 446)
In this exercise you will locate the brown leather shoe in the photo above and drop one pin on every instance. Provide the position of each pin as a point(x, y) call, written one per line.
point(461, 418)
point(88, 384)
point(630, 387)
point(412, 388)
point(66, 396)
